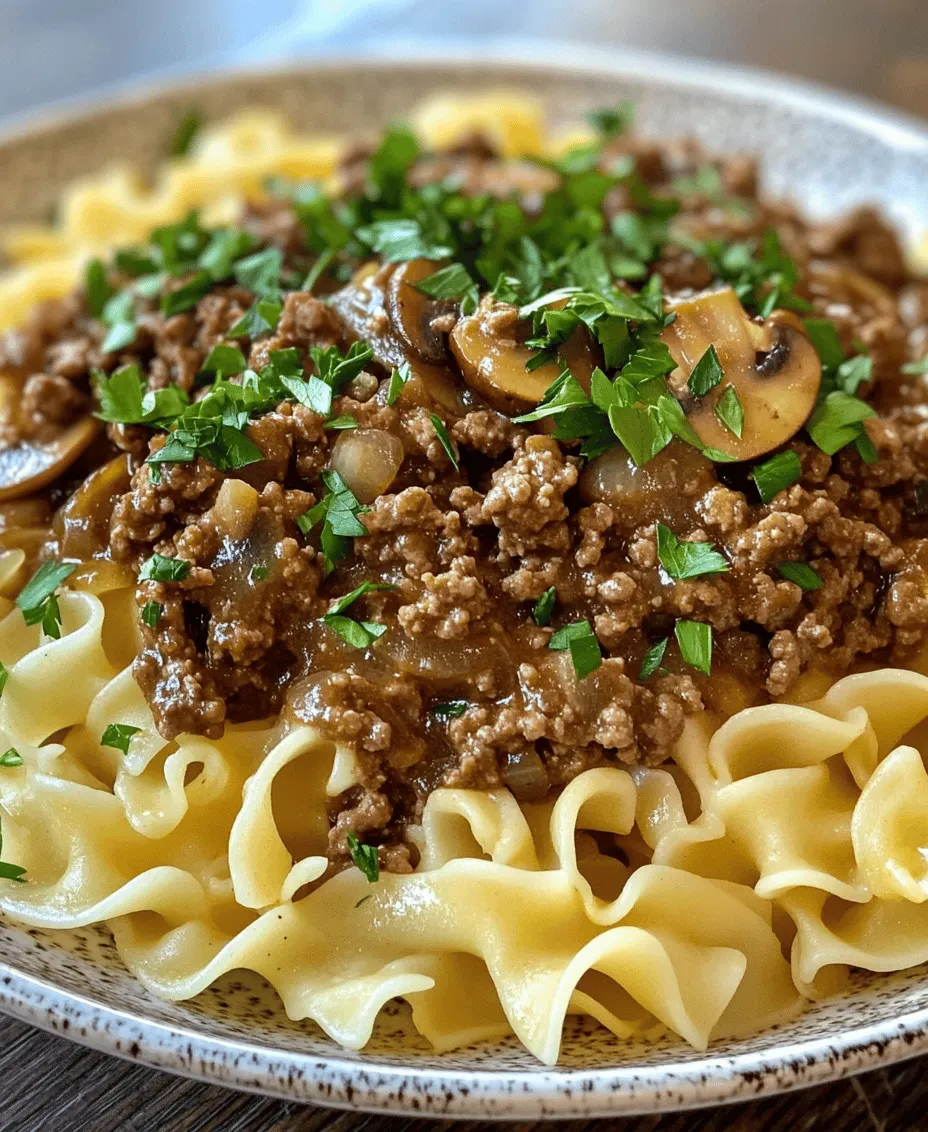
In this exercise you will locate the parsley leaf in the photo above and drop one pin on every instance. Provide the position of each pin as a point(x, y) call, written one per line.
point(224, 359)
point(158, 568)
point(96, 287)
point(259, 319)
point(451, 282)
point(187, 295)
point(730, 411)
point(837, 421)
point(450, 709)
point(10, 872)
point(151, 613)
point(338, 512)
point(707, 373)
point(258, 574)
point(12, 757)
point(584, 648)
point(358, 634)
point(4, 676)
point(399, 240)
point(260, 273)
point(800, 573)
point(652, 659)
point(340, 424)
point(916, 369)
point(118, 735)
point(365, 857)
point(695, 641)
point(544, 606)
point(612, 121)
point(444, 439)
point(342, 603)
point(187, 129)
point(337, 369)
point(776, 474)
point(37, 601)
point(687, 559)
point(398, 379)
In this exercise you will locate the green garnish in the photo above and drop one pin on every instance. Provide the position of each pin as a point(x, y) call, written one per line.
point(365, 857)
point(584, 648)
point(258, 574)
point(12, 757)
point(224, 359)
point(707, 373)
point(10, 872)
point(124, 399)
point(652, 659)
point(397, 241)
point(260, 273)
point(729, 410)
point(837, 421)
point(398, 379)
point(917, 369)
point(187, 295)
point(800, 573)
point(544, 606)
point(4, 676)
point(776, 474)
point(158, 568)
point(338, 511)
point(444, 439)
point(37, 600)
point(340, 424)
point(612, 121)
point(118, 735)
point(187, 129)
point(450, 709)
point(151, 613)
point(451, 282)
point(97, 287)
point(695, 641)
point(687, 559)
point(359, 634)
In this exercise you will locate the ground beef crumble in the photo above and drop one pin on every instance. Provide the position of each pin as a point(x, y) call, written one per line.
point(468, 543)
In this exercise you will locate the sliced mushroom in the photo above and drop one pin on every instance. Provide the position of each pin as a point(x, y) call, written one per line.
point(489, 349)
point(27, 466)
point(772, 366)
point(363, 303)
point(413, 313)
point(82, 524)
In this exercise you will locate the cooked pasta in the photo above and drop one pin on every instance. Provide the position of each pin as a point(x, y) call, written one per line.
point(709, 895)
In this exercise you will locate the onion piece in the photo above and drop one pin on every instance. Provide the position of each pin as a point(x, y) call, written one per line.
point(368, 460)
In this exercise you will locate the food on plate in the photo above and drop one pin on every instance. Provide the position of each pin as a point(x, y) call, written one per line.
point(512, 552)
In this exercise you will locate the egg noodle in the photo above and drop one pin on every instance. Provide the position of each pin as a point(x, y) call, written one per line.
point(776, 850)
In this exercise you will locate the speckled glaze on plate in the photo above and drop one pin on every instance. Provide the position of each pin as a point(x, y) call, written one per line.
point(828, 151)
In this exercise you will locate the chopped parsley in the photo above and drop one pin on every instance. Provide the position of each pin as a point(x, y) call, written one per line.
point(224, 359)
point(97, 287)
point(398, 379)
point(444, 439)
point(8, 871)
point(359, 634)
point(340, 424)
point(12, 757)
point(451, 282)
point(338, 512)
point(185, 134)
point(544, 606)
point(730, 411)
point(687, 559)
point(584, 648)
point(613, 120)
point(801, 574)
point(259, 319)
point(837, 421)
point(4, 676)
point(260, 273)
point(37, 599)
point(652, 660)
point(151, 613)
point(258, 574)
point(450, 709)
point(776, 474)
point(707, 373)
point(695, 641)
point(365, 857)
point(119, 735)
point(158, 568)
point(917, 369)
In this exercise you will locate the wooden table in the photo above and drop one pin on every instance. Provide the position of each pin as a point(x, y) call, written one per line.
point(52, 1085)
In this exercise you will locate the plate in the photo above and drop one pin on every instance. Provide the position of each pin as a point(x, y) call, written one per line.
point(827, 150)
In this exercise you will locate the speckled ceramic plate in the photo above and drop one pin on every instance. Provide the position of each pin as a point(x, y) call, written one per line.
point(828, 151)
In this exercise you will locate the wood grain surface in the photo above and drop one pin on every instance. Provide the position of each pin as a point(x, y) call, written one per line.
point(52, 1085)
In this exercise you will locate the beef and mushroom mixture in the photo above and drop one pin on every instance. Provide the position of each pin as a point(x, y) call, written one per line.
point(494, 470)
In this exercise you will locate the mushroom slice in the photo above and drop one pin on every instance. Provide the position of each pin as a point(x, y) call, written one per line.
point(27, 466)
point(412, 313)
point(493, 359)
point(771, 365)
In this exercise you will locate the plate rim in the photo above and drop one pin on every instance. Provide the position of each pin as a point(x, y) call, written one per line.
point(515, 1094)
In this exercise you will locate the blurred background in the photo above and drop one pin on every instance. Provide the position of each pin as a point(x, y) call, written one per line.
point(51, 49)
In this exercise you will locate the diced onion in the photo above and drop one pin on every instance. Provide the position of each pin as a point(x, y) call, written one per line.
point(368, 460)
